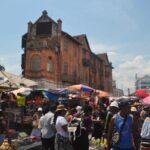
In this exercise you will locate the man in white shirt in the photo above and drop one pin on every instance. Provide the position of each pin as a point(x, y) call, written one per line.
point(47, 129)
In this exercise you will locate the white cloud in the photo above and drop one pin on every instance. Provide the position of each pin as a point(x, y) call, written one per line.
point(125, 72)
point(126, 66)
point(111, 50)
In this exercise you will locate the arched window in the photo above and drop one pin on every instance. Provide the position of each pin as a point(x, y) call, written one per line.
point(49, 65)
point(65, 68)
point(35, 64)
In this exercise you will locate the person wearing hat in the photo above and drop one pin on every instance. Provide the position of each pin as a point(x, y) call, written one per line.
point(121, 129)
point(78, 112)
point(113, 109)
point(82, 140)
point(36, 117)
point(62, 136)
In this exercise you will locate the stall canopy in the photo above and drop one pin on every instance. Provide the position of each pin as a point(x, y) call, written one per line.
point(146, 101)
point(44, 94)
point(142, 93)
point(50, 95)
point(63, 91)
point(8, 80)
point(81, 87)
point(22, 90)
point(102, 93)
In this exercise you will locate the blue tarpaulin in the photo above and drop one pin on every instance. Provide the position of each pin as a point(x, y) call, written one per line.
point(50, 96)
point(47, 94)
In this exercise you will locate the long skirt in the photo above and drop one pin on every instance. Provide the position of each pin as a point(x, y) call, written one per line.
point(62, 143)
point(81, 142)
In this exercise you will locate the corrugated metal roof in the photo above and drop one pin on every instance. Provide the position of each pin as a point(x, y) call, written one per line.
point(15, 81)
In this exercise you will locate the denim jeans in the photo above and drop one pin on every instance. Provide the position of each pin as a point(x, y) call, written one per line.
point(118, 148)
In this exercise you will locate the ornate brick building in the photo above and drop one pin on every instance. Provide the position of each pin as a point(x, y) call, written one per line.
point(56, 59)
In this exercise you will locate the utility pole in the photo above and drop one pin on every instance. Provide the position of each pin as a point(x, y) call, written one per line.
point(128, 91)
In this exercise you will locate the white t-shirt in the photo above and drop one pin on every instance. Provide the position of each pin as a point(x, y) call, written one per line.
point(46, 125)
point(145, 132)
point(61, 121)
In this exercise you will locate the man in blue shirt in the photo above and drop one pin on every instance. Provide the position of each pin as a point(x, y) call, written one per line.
point(123, 124)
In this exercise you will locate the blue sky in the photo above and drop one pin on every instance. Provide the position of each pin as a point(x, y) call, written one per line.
point(118, 27)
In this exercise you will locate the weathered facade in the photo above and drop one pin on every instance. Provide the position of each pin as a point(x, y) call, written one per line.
point(116, 91)
point(142, 82)
point(56, 59)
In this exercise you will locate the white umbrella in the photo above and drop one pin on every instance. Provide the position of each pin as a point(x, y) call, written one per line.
point(23, 90)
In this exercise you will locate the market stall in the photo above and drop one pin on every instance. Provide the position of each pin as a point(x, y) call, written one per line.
point(12, 81)
point(35, 145)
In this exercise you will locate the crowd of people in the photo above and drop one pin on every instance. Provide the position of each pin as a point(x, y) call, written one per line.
point(125, 125)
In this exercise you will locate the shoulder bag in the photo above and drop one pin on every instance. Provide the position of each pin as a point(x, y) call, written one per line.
point(117, 135)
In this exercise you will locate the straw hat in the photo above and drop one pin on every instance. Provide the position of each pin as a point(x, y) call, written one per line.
point(61, 107)
point(133, 109)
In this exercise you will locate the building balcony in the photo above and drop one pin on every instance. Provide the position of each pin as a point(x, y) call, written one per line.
point(85, 62)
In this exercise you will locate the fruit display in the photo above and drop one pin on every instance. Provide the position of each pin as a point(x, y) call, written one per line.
point(21, 140)
point(6, 146)
point(98, 144)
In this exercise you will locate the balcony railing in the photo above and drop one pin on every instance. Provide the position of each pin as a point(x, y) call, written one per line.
point(85, 62)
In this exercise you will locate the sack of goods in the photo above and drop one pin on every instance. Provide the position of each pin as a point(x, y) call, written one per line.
point(6, 146)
